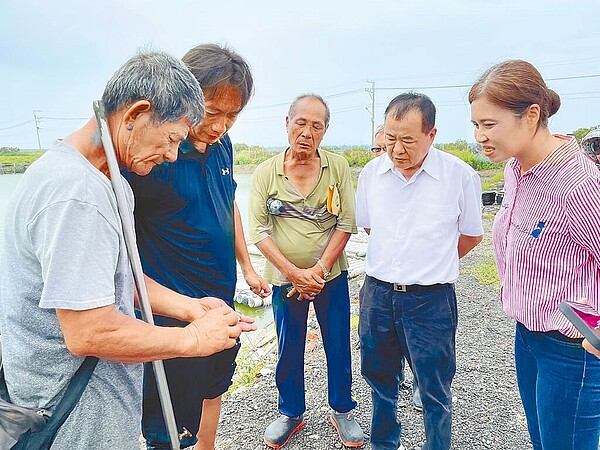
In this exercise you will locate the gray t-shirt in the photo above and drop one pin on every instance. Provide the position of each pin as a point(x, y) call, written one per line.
point(64, 248)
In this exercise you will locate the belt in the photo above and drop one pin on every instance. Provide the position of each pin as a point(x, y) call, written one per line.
point(413, 287)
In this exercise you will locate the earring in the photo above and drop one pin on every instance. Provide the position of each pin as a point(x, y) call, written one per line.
point(129, 127)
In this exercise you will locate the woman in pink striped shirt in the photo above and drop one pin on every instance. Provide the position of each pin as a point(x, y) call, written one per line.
point(546, 239)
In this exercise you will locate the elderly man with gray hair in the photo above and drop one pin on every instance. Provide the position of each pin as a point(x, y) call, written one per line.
point(66, 286)
point(301, 217)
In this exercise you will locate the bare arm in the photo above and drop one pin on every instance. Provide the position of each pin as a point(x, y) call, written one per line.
point(169, 303)
point(308, 282)
point(332, 252)
point(108, 334)
point(256, 283)
point(334, 248)
point(467, 243)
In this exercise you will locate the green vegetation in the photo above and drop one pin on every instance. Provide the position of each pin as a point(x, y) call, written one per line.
point(244, 154)
point(489, 184)
point(12, 155)
point(468, 153)
point(356, 156)
point(354, 322)
point(9, 150)
point(580, 133)
point(485, 272)
point(246, 371)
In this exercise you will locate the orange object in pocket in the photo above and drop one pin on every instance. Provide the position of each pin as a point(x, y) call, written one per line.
point(333, 200)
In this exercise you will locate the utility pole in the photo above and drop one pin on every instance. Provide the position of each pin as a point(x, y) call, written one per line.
point(371, 92)
point(37, 119)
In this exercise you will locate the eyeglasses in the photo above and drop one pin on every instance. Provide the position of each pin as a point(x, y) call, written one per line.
point(377, 149)
point(592, 148)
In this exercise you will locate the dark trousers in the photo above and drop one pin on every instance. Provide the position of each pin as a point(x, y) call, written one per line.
point(420, 325)
point(332, 307)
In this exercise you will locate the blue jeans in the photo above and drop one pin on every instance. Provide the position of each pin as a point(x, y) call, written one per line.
point(332, 307)
point(421, 326)
point(559, 383)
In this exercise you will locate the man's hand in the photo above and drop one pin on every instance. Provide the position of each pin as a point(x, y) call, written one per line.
point(217, 330)
point(307, 282)
point(246, 323)
point(205, 304)
point(198, 307)
point(257, 284)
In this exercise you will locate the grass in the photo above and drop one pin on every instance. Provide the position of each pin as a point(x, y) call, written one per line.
point(485, 272)
point(246, 371)
point(353, 322)
point(491, 178)
point(22, 158)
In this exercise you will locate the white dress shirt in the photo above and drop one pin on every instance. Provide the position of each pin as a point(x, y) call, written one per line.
point(415, 224)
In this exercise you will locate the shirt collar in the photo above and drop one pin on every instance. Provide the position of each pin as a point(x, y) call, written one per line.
point(546, 169)
point(281, 157)
point(431, 165)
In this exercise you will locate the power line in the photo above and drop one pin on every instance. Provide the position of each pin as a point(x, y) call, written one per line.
point(451, 86)
point(339, 94)
point(17, 125)
point(577, 77)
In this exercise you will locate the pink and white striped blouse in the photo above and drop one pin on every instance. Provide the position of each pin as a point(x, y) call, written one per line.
point(546, 238)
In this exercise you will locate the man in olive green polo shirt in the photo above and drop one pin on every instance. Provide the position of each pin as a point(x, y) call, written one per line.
point(301, 217)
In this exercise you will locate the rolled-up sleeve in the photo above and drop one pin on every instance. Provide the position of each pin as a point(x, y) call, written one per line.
point(347, 219)
point(259, 220)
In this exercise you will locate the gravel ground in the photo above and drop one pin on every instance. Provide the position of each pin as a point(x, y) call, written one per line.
point(487, 409)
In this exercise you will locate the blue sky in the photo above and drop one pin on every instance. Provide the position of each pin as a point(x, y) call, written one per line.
point(55, 57)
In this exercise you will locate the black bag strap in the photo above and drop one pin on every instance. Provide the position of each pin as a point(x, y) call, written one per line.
point(73, 393)
point(45, 437)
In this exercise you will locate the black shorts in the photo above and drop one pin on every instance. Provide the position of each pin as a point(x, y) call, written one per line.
point(191, 381)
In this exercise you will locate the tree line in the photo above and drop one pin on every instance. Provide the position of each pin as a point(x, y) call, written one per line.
point(357, 156)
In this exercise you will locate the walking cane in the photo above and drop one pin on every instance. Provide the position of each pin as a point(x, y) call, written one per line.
point(136, 265)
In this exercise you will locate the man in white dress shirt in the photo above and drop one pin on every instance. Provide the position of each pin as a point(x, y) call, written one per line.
point(422, 208)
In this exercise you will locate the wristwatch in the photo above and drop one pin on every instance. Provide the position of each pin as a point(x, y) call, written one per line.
point(323, 268)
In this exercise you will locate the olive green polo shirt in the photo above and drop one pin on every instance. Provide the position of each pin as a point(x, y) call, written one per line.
point(300, 226)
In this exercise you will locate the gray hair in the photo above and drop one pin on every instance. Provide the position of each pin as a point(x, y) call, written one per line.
point(314, 96)
point(215, 66)
point(161, 79)
point(378, 130)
